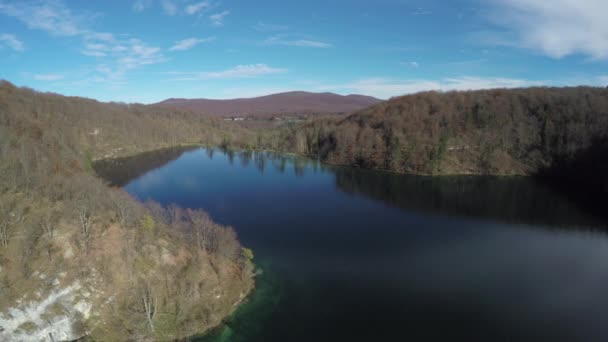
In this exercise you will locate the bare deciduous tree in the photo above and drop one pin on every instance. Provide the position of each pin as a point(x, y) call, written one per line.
point(150, 303)
point(11, 214)
point(48, 222)
point(201, 228)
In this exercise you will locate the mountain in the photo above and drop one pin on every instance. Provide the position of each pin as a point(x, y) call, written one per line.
point(297, 102)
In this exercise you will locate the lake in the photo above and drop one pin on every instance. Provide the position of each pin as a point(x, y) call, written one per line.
point(356, 255)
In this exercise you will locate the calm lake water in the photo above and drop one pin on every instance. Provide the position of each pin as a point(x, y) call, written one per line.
point(355, 255)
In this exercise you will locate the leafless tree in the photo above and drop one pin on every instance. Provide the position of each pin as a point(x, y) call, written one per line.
point(201, 226)
point(84, 210)
point(149, 303)
point(11, 214)
point(48, 222)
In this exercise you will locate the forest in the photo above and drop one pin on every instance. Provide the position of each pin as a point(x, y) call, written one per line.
point(148, 272)
point(519, 131)
point(172, 272)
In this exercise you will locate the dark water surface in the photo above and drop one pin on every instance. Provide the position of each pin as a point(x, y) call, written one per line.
point(355, 255)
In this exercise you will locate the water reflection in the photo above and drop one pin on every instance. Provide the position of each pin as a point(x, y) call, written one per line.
point(121, 171)
point(508, 199)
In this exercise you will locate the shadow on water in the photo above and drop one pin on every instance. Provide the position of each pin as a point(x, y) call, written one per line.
point(508, 199)
point(120, 171)
point(583, 178)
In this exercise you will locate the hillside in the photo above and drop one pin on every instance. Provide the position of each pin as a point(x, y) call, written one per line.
point(78, 258)
point(293, 103)
point(518, 131)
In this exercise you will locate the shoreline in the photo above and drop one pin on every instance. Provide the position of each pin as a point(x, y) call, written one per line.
point(132, 154)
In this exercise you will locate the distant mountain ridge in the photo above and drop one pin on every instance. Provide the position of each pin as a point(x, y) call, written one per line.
point(296, 102)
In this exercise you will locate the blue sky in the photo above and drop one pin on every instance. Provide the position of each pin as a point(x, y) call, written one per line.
point(150, 50)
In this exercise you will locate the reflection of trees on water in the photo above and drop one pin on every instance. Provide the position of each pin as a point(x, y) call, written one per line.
point(209, 152)
point(299, 166)
point(245, 157)
point(508, 199)
point(260, 161)
point(279, 164)
point(119, 172)
point(230, 155)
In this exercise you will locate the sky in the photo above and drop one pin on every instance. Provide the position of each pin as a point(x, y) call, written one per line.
point(150, 50)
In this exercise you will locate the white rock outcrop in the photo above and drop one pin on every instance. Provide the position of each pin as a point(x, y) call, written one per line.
point(39, 320)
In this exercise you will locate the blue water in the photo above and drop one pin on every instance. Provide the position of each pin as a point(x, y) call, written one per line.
point(354, 255)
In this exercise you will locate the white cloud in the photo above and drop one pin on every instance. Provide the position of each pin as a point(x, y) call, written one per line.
point(50, 16)
point(195, 8)
point(169, 7)
point(93, 53)
point(11, 41)
point(282, 40)
point(116, 55)
point(239, 71)
point(557, 28)
point(307, 43)
point(386, 88)
point(48, 77)
point(189, 43)
point(218, 18)
point(127, 54)
point(476, 83)
point(382, 87)
point(412, 64)
point(233, 93)
point(137, 53)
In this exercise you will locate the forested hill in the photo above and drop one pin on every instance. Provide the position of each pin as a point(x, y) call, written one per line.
point(518, 131)
point(80, 259)
point(292, 103)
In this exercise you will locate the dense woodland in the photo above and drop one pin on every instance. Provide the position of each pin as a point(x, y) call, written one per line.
point(519, 131)
point(149, 272)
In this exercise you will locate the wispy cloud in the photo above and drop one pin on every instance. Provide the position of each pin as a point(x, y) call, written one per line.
point(464, 63)
point(186, 44)
point(239, 71)
point(218, 18)
point(283, 40)
point(124, 54)
point(412, 64)
point(421, 11)
point(137, 53)
point(307, 43)
point(169, 7)
point(141, 5)
point(197, 7)
point(48, 77)
point(556, 28)
point(265, 27)
point(244, 92)
point(11, 41)
point(386, 88)
point(116, 56)
point(50, 16)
